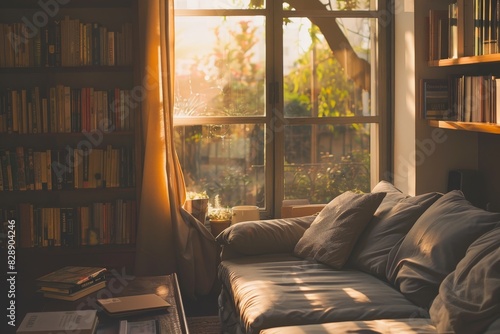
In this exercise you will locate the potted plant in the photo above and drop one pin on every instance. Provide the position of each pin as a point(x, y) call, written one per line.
point(219, 216)
point(197, 205)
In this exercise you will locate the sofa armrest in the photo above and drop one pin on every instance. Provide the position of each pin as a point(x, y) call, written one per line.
point(262, 236)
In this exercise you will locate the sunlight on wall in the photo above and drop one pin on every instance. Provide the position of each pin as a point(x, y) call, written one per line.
point(404, 123)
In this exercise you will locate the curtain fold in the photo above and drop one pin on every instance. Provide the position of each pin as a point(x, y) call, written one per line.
point(168, 238)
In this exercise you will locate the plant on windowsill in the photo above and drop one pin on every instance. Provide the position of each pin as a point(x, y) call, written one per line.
point(219, 216)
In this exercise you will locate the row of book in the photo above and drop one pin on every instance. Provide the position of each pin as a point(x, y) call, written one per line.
point(465, 98)
point(476, 98)
point(99, 223)
point(66, 169)
point(62, 109)
point(64, 42)
point(466, 28)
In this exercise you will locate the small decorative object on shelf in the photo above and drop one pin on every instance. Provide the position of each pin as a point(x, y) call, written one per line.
point(197, 205)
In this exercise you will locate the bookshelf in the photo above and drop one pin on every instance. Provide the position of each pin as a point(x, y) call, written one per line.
point(471, 36)
point(466, 126)
point(468, 60)
point(67, 103)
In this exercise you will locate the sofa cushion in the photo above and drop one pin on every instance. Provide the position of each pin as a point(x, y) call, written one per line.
point(391, 222)
point(335, 230)
point(384, 326)
point(469, 297)
point(264, 236)
point(285, 292)
point(435, 244)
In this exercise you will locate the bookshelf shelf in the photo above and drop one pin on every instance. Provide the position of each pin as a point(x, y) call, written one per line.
point(64, 69)
point(65, 197)
point(30, 4)
point(491, 58)
point(62, 140)
point(467, 126)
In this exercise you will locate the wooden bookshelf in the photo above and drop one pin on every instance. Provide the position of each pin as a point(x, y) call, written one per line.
point(114, 69)
point(466, 126)
point(470, 60)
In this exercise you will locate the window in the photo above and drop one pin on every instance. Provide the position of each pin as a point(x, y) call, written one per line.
point(280, 99)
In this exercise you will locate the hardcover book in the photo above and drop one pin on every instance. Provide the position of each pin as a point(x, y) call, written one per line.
point(71, 276)
point(74, 295)
point(130, 305)
point(81, 321)
point(436, 100)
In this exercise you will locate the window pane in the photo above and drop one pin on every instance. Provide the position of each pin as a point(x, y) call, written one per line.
point(227, 160)
point(220, 66)
point(323, 161)
point(319, 82)
point(330, 4)
point(219, 4)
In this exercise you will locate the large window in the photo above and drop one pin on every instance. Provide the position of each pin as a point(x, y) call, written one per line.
point(280, 99)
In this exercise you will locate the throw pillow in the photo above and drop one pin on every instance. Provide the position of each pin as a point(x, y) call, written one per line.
point(265, 236)
point(469, 297)
point(387, 227)
point(435, 244)
point(392, 197)
point(337, 227)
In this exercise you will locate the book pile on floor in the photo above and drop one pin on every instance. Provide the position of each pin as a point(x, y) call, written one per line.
point(80, 321)
point(72, 282)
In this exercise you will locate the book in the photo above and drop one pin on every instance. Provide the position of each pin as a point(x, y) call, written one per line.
point(130, 305)
point(74, 295)
point(142, 326)
point(80, 321)
point(436, 101)
point(71, 289)
point(71, 276)
point(438, 34)
point(453, 30)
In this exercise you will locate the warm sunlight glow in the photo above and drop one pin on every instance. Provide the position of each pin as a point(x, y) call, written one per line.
point(312, 297)
point(426, 247)
point(357, 296)
point(162, 291)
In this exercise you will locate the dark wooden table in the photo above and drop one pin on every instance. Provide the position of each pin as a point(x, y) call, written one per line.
point(119, 284)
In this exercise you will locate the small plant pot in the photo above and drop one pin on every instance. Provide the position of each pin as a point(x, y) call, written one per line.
point(217, 226)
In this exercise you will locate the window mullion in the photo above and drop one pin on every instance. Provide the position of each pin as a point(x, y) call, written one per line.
point(276, 113)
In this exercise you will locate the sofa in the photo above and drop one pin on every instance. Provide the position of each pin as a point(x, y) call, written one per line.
point(377, 262)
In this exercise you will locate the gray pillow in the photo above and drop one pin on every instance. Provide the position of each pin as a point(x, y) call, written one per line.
point(387, 227)
point(469, 297)
point(337, 227)
point(264, 236)
point(435, 244)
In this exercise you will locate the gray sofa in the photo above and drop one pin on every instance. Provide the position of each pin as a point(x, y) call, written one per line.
point(381, 262)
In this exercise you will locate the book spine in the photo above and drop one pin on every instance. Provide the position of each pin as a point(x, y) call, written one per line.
point(21, 174)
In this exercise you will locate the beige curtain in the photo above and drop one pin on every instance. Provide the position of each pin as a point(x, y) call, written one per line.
point(168, 238)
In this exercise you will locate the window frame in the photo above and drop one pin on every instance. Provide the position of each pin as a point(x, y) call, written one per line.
point(274, 119)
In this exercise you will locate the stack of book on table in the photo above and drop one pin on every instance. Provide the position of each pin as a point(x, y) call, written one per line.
point(72, 282)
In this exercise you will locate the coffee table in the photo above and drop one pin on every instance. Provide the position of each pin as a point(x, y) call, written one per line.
point(119, 284)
